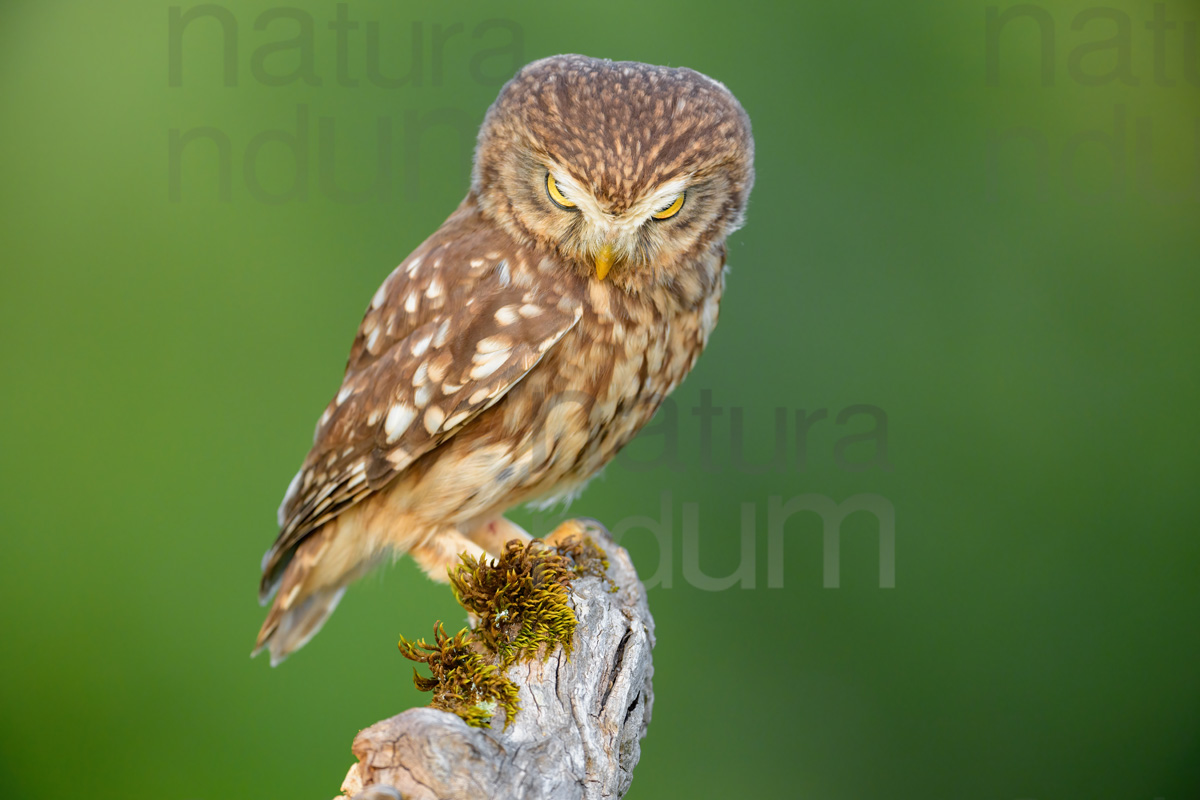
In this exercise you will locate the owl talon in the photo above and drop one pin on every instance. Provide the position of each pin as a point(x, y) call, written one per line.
point(580, 528)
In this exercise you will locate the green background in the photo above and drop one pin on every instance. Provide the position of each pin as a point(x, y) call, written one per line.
point(1029, 329)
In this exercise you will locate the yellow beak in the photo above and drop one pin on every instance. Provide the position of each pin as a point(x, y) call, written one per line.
point(604, 261)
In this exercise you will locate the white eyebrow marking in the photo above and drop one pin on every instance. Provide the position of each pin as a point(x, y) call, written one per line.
point(662, 197)
point(623, 225)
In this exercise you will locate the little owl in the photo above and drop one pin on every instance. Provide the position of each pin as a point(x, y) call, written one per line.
point(528, 339)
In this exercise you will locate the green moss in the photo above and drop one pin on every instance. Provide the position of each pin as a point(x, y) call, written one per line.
point(462, 680)
point(521, 602)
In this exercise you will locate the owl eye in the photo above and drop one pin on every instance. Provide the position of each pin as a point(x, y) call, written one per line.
point(672, 209)
point(556, 196)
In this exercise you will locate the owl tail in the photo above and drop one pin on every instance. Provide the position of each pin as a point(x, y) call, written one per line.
point(309, 580)
point(288, 629)
point(303, 600)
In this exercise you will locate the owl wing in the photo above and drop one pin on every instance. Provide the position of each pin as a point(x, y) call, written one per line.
point(445, 337)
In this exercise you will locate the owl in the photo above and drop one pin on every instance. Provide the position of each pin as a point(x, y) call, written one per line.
point(527, 340)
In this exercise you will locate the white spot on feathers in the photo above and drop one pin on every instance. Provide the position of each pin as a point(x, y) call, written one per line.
point(357, 476)
point(486, 364)
point(380, 295)
point(438, 367)
point(506, 315)
point(399, 417)
point(443, 330)
point(494, 343)
point(419, 347)
point(288, 496)
point(434, 417)
point(456, 420)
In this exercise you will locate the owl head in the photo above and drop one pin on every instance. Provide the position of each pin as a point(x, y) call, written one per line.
point(628, 172)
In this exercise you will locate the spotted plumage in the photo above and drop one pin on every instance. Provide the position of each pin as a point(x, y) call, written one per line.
point(528, 339)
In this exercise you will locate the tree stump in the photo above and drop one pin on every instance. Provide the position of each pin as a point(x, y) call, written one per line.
point(581, 719)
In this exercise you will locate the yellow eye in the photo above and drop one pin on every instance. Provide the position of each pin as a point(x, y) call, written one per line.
point(670, 210)
point(555, 195)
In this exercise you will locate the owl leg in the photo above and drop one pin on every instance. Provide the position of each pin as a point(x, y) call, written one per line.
point(439, 553)
point(493, 534)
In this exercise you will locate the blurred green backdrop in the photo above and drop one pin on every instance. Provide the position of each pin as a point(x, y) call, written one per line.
point(1022, 307)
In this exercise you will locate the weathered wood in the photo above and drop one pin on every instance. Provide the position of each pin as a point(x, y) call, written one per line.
point(576, 737)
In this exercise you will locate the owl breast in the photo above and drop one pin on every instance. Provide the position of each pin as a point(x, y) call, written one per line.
point(607, 378)
point(569, 416)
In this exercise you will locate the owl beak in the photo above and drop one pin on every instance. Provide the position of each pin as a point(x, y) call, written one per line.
point(604, 261)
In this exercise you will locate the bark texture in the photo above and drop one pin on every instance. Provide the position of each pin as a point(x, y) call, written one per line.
point(577, 734)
